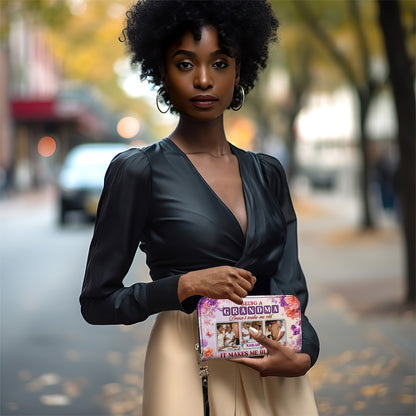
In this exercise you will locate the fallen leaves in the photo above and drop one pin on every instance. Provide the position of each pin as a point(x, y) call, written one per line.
point(64, 389)
point(55, 400)
point(363, 379)
point(125, 397)
point(121, 400)
point(48, 379)
point(377, 390)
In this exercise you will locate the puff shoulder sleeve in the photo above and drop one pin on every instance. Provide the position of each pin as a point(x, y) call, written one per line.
point(121, 220)
point(290, 278)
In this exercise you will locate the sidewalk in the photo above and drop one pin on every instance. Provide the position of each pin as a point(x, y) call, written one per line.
point(356, 284)
point(367, 361)
point(18, 202)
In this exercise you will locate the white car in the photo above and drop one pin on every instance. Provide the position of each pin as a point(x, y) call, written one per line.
point(81, 179)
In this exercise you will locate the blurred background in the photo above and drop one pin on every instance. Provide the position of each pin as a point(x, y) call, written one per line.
point(336, 105)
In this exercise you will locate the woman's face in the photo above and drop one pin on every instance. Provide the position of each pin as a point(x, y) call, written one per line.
point(199, 76)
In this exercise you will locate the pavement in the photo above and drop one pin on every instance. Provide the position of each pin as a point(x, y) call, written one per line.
point(356, 285)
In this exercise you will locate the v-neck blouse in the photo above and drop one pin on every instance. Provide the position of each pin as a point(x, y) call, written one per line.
point(205, 183)
point(155, 199)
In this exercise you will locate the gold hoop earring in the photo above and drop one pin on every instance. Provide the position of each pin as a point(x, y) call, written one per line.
point(159, 94)
point(242, 99)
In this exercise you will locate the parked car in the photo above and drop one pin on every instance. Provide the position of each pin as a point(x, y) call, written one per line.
point(81, 178)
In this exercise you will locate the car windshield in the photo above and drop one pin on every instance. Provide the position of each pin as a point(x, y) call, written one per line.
point(84, 157)
point(86, 165)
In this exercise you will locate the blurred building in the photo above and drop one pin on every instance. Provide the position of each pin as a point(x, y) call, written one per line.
point(328, 138)
point(38, 102)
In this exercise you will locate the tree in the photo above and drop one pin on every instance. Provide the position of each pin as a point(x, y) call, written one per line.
point(402, 77)
point(299, 62)
point(52, 14)
point(358, 72)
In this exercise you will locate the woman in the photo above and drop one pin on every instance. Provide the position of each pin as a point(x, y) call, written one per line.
point(229, 338)
point(281, 331)
point(268, 331)
point(213, 220)
point(220, 337)
point(245, 333)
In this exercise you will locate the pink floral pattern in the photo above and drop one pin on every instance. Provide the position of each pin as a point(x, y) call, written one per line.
point(212, 311)
point(209, 352)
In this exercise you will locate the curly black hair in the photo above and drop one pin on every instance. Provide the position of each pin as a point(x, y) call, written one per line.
point(245, 30)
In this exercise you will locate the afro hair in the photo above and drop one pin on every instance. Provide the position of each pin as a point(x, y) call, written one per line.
point(245, 30)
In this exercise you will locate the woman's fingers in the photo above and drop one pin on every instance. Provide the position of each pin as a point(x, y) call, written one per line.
point(245, 279)
point(236, 299)
point(279, 361)
point(240, 291)
point(244, 284)
point(247, 275)
point(222, 282)
point(263, 340)
point(239, 283)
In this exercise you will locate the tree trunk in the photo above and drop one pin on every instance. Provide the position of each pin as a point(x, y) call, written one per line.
point(402, 77)
point(291, 147)
point(367, 219)
point(365, 91)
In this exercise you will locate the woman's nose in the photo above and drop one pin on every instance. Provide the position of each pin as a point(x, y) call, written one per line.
point(203, 78)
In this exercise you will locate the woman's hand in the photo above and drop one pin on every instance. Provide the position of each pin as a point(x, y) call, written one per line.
point(280, 361)
point(223, 282)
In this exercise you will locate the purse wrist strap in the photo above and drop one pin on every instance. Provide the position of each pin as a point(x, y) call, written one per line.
point(203, 373)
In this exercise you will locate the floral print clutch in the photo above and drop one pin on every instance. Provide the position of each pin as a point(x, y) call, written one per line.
point(224, 326)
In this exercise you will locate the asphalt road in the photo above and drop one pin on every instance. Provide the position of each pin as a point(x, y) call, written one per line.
point(52, 362)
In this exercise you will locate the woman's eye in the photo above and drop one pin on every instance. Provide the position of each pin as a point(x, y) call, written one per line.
point(221, 65)
point(183, 66)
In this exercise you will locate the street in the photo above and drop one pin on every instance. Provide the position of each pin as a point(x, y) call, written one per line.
point(53, 363)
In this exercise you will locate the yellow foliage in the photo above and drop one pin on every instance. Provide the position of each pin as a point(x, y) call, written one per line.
point(377, 390)
point(88, 45)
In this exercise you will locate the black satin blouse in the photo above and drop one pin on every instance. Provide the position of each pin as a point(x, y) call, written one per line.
point(156, 199)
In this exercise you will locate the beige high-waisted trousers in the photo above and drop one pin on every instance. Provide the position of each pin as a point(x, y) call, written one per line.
point(172, 386)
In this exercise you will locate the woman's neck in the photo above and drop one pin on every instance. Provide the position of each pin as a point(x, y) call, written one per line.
point(201, 136)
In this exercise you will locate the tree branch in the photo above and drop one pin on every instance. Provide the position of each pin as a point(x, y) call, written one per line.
point(312, 22)
point(371, 84)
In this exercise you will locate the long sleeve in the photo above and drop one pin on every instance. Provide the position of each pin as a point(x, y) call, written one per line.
point(120, 225)
point(290, 278)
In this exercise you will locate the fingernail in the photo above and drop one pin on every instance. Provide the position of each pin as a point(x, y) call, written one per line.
point(253, 331)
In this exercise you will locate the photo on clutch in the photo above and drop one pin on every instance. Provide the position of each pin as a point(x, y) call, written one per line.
point(220, 336)
point(276, 330)
point(228, 336)
point(246, 340)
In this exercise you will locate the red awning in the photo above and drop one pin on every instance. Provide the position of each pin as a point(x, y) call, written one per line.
point(33, 110)
point(41, 111)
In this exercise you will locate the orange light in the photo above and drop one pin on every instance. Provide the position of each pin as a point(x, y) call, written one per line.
point(128, 127)
point(46, 146)
point(242, 132)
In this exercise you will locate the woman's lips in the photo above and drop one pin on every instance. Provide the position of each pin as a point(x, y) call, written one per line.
point(204, 101)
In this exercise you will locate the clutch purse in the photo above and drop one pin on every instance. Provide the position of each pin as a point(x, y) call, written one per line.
point(223, 325)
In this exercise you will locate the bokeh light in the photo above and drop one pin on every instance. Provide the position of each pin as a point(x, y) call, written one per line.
point(128, 127)
point(242, 132)
point(46, 146)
